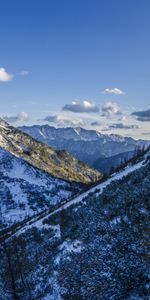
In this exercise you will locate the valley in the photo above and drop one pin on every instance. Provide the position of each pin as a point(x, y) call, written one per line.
point(74, 237)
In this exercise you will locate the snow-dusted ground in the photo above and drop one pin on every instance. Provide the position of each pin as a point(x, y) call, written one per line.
point(97, 190)
point(100, 187)
point(66, 248)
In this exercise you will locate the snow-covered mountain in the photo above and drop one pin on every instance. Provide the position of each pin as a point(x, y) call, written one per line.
point(96, 246)
point(88, 146)
point(56, 163)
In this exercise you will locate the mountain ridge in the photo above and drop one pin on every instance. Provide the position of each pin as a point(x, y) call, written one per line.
point(79, 133)
point(60, 164)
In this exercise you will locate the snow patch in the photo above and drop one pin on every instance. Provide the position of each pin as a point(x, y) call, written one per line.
point(68, 247)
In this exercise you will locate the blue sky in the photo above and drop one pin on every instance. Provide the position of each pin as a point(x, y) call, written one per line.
point(66, 51)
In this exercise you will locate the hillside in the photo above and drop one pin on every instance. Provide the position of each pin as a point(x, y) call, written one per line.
point(26, 191)
point(59, 164)
point(105, 164)
point(94, 247)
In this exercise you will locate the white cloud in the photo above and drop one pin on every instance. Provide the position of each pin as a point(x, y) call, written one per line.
point(81, 107)
point(114, 91)
point(4, 76)
point(110, 109)
point(24, 73)
point(22, 116)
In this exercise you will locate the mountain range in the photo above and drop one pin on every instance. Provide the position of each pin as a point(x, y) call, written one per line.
point(89, 146)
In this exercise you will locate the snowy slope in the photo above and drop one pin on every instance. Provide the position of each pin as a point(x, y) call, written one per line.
point(97, 190)
point(25, 190)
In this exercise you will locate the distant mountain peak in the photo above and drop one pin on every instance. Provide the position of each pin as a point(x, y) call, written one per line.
point(76, 133)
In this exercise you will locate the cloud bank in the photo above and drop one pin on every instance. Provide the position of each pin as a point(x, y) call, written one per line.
point(123, 126)
point(60, 120)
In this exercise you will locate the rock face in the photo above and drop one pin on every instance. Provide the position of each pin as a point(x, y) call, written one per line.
point(59, 164)
point(89, 146)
